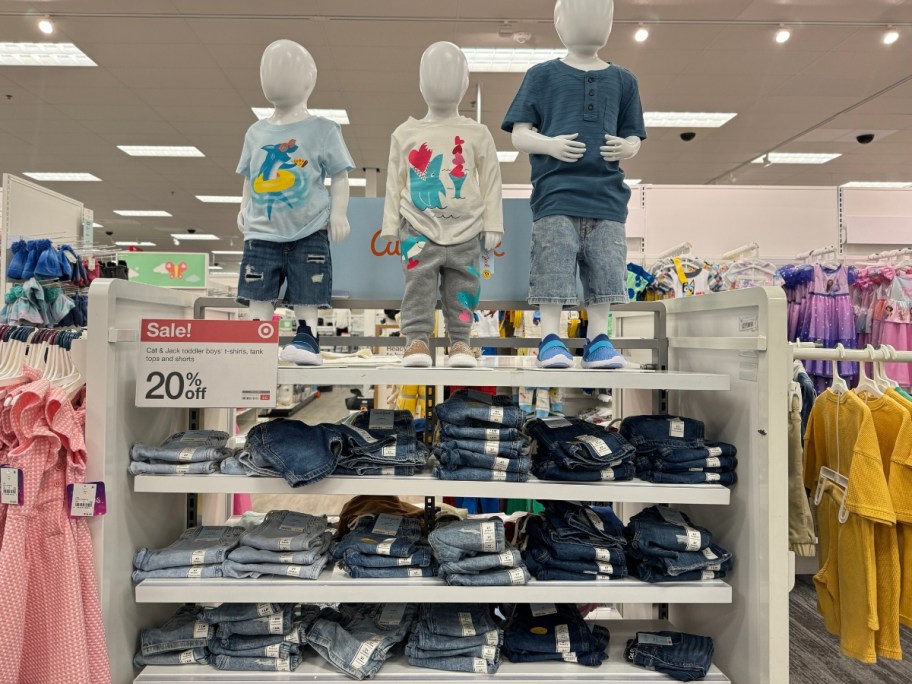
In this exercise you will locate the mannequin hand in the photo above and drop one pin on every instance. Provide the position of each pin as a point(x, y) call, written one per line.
point(240, 220)
point(338, 228)
point(616, 148)
point(491, 240)
point(566, 148)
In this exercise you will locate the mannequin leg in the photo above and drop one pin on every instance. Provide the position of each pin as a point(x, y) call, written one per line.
point(599, 352)
point(552, 352)
point(550, 315)
point(598, 319)
point(304, 349)
point(261, 311)
point(307, 315)
point(460, 289)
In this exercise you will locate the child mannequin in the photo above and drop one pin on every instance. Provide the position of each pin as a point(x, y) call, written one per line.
point(443, 191)
point(287, 216)
point(577, 118)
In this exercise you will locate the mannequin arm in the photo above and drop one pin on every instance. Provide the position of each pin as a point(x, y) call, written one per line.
point(338, 218)
point(616, 149)
point(245, 200)
point(491, 239)
point(491, 186)
point(562, 147)
point(395, 184)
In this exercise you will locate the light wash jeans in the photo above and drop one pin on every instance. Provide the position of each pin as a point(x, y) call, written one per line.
point(204, 545)
point(249, 555)
point(256, 570)
point(185, 447)
point(184, 630)
point(290, 664)
point(288, 531)
point(199, 656)
point(454, 541)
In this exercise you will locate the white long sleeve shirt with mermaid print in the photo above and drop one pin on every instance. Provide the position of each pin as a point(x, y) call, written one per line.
point(444, 179)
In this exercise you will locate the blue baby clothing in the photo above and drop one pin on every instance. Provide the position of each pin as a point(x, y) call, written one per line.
point(558, 99)
point(286, 165)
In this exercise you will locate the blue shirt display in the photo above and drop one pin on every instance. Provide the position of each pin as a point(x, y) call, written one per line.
point(286, 166)
point(558, 99)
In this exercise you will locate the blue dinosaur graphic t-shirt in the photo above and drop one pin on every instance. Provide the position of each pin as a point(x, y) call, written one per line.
point(286, 166)
point(558, 99)
point(444, 179)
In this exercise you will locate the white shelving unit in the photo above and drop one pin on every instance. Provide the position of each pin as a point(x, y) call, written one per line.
point(727, 354)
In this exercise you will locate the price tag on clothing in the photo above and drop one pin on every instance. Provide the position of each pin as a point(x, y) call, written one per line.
point(273, 651)
point(86, 499)
point(483, 397)
point(713, 477)
point(275, 623)
point(491, 448)
point(391, 614)
point(465, 622)
point(293, 571)
point(602, 554)
point(676, 428)
point(206, 363)
point(387, 524)
point(708, 554)
point(500, 463)
point(607, 474)
point(488, 537)
point(364, 652)
point(363, 434)
point(713, 462)
point(542, 609)
point(284, 558)
point(489, 653)
point(598, 445)
point(672, 516)
point(404, 561)
point(569, 657)
point(285, 527)
point(492, 434)
point(653, 639)
point(499, 475)
point(200, 630)
point(198, 557)
point(381, 419)
point(195, 573)
point(185, 455)
point(714, 451)
point(389, 451)
point(389, 470)
point(479, 666)
point(506, 559)
point(285, 543)
point(293, 638)
point(495, 414)
point(264, 609)
point(415, 572)
point(516, 576)
point(605, 568)
point(11, 482)
point(283, 665)
point(186, 657)
point(708, 575)
point(182, 469)
point(385, 547)
point(562, 638)
point(492, 638)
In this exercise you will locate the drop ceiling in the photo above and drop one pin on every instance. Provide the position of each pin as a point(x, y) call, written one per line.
point(186, 73)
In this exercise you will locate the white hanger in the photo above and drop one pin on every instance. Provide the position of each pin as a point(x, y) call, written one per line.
point(866, 384)
point(838, 385)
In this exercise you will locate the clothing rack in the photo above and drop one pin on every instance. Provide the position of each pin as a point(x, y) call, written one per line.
point(821, 251)
point(889, 355)
point(677, 250)
point(889, 254)
point(751, 249)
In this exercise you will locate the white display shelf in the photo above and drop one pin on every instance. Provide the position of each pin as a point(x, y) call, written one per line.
point(316, 669)
point(337, 587)
point(633, 491)
point(502, 371)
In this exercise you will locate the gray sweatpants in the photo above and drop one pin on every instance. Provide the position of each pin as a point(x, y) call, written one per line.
point(456, 267)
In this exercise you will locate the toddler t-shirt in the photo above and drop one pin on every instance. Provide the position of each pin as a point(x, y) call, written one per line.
point(286, 165)
point(444, 179)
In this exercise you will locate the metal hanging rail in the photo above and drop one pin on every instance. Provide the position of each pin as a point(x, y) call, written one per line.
point(886, 354)
point(751, 249)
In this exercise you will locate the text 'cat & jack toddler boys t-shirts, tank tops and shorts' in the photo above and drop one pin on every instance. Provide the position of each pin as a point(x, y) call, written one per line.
point(286, 165)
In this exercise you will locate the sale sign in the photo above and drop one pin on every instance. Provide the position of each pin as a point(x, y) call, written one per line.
point(198, 363)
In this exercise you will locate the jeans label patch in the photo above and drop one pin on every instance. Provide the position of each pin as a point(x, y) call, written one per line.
point(501, 463)
point(187, 657)
point(676, 428)
point(293, 571)
point(195, 573)
point(285, 544)
point(654, 639)
point(389, 451)
point(517, 576)
point(273, 651)
point(386, 524)
point(495, 414)
point(708, 553)
point(713, 477)
point(293, 638)
point(404, 561)
point(363, 434)
point(392, 614)
point(488, 539)
point(465, 622)
point(11, 486)
point(488, 653)
point(542, 609)
point(415, 572)
point(708, 575)
point(499, 475)
point(569, 657)
point(385, 547)
point(264, 609)
point(491, 448)
point(185, 455)
point(182, 469)
point(283, 664)
point(562, 638)
point(671, 516)
point(608, 474)
point(275, 623)
point(492, 434)
point(284, 558)
point(479, 665)
point(506, 559)
point(390, 470)
point(694, 539)
point(713, 462)
point(200, 630)
point(714, 451)
point(491, 637)
point(381, 419)
point(605, 568)
point(597, 444)
point(198, 557)
point(602, 554)
point(291, 528)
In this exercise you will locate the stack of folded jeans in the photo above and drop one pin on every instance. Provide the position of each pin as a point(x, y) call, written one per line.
point(665, 546)
point(577, 451)
point(475, 553)
point(673, 450)
point(286, 543)
point(380, 443)
point(480, 439)
point(456, 638)
point(182, 640)
point(194, 452)
point(197, 554)
point(572, 542)
point(684, 657)
point(357, 639)
point(299, 452)
point(539, 632)
point(256, 636)
point(385, 546)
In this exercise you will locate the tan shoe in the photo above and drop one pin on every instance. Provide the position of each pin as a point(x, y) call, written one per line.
point(461, 356)
point(417, 355)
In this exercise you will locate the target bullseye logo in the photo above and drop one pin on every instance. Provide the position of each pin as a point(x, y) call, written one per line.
point(265, 331)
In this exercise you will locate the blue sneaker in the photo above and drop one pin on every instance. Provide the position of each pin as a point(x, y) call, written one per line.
point(600, 353)
point(304, 349)
point(553, 353)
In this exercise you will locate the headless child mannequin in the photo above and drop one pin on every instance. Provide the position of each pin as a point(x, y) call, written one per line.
point(578, 117)
point(287, 216)
point(443, 191)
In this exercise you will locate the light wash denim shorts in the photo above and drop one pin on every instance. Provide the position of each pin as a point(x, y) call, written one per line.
point(561, 244)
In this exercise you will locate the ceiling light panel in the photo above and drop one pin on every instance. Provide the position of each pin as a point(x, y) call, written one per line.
point(128, 243)
point(142, 212)
point(687, 119)
point(877, 184)
point(796, 158)
point(507, 156)
point(43, 54)
point(194, 236)
point(641, 34)
point(60, 177)
point(782, 35)
point(340, 116)
point(890, 36)
point(161, 150)
point(220, 199)
point(509, 60)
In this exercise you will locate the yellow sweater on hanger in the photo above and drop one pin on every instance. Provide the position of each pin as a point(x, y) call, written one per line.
point(841, 435)
point(900, 483)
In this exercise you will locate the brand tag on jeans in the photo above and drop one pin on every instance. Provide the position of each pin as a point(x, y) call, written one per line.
point(195, 573)
point(284, 558)
point(607, 474)
point(264, 609)
point(200, 630)
point(488, 537)
point(465, 622)
point(381, 419)
point(491, 448)
point(182, 469)
point(483, 397)
point(602, 554)
point(364, 434)
point(499, 475)
point(713, 462)
point(506, 559)
point(654, 639)
point(489, 653)
point(708, 575)
point(185, 455)
point(415, 572)
point(86, 499)
point(594, 519)
point(392, 614)
point(492, 434)
point(385, 547)
point(275, 623)
point(492, 637)
point(386, 524)
point(285, 544)
point(676, 428)
point(713, 477)
point(555, 422)
point(542, 609)
point(479, 665)
point(293, 638)
point(501, 463)
point(273, 651)
point(293, 571)
point(714, 451)
point(187, 657)
point(517, 576)
point(11, 482)
point(389, 451)
point(562, 638)
point(291, 528)
point(694, 539)
point(569, 657)
point(672, 516)
point(390, 470)
point(198, 557)
point(495, 414)
point(708, 553)
point(597, 444)
point(283, 665)
point(404, 561)
point(605, 568)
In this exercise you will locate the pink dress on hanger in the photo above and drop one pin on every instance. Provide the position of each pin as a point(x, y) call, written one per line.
point(832, 321)
point(7, 436)
point(897, 325)
point(43, 629)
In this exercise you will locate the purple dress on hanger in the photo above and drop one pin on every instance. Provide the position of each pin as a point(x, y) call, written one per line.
point(832, 321)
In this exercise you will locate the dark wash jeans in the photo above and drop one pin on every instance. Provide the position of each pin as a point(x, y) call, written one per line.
point(301, 453)
point(540, 542)
point(651, 534)
point(563, 630)
point(580, 445)
point(550, 470)
point(648, 434)
point(710, 449)
point(684, 657)
point(459, 409)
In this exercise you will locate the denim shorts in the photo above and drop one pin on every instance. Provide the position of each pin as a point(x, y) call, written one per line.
point(456, 540)
point(561, 244)
point(235, 612)
point(428, 640)
point(685, 657)
point(184, 630)
point(456, 620)
point(277, 623)
point(224, 662)
point(199, 656)
point(204, 545)
point(304, 265)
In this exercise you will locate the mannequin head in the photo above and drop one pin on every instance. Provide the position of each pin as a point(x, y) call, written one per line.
point(584, 25)
point(288, 74)
point(443, 78)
